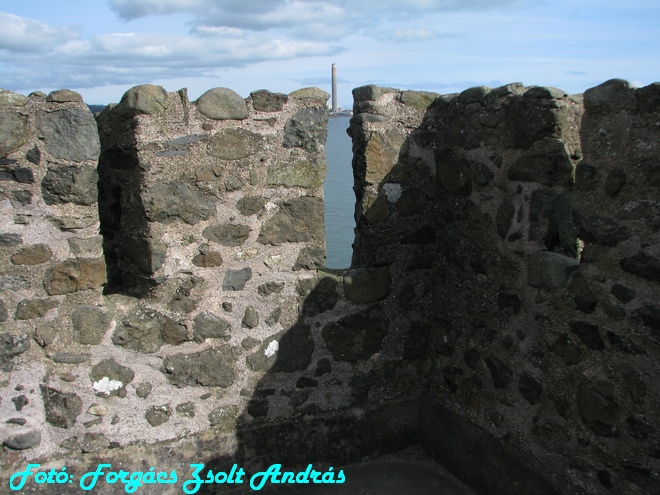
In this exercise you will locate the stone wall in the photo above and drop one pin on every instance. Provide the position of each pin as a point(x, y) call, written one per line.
point(502, 305)
point(215, 338)
point(541, 212)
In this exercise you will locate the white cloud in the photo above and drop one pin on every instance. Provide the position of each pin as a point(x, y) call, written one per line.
point(20, 34)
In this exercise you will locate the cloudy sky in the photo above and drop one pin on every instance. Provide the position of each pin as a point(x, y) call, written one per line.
point(100, 48)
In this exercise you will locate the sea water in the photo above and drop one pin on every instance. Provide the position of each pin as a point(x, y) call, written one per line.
point(339, 195)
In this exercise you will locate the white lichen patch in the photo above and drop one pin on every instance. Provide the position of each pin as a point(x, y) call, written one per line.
point(106, 386)
point(272, 348)
point(393, 192)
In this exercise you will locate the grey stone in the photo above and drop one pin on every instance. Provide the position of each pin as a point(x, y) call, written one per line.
point(476, 94)
point(310, 94)
point(371, 92)
point(361, 118)
point(615, 181)
point(23, 441)
point(17, 421)
point(227, 235)
point(356, 337)
point(500, 373)
point(61, 408)
point(71, 444)
point(79, 245)
point(8, 240)
point(223, 417)
point(11, 99)
point(209, 326)
point(270, 288)
point(109, 368)
point(530, 389)
point(588, 334)
point(90, 324)
point(13, 345)
point(70, 134)
point(548, 270)
point(274, 317)
point(310, 258)
point(251, 318)
point(418, 99)
point(623, 293)
point(21, 175)
point(146, 99)
point(233, 183)
point(186, 409)
point(367, 285)
point(68, 358)
point(251, 205)
point(207, 260)
point(249, 343)
point(298, 220)
point(143, 390)
point(20, 402)
point(598, 407)
point(235, 280)
point(32, 255)
point(265, 101)
point(35, 308)
point(66, 223)
point(639, 426)
point(157, 415)
point(94, 442)
point(165, 203)
point(64, 96)
point(78, 185)
point(44, 335)
point(75, 275)
point(297, 173)
point(14, 132)
point(642, 265)
point(3, 312)
point(307, 129)
point(565, 349)
point(141, 332)
point(235, 144)
point(601, 230)
point(209, 368)
point(547, 92)
point(504, 217)
point(608, 92)
point(222, 104)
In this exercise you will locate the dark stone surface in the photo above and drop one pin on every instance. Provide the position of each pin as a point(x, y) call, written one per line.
point(307, 129)
point(141, 332)
point(70, 358)
point(210, 368)
point(317, 295)
point(157, 415)
point(310, 258)
point(623, 293)
point(227, 235)
point(251, 205)
point(90, 324)
point(270, 288)
point(251, 318)
point(113, 371)
point(298, 220)
point(501, 374)
point(530, 389)
point(588, 334)
point(366, 286)
point(642, 265)
point(35, 308)
point(566, 350)
point(13, 345)
point(77, 185)
point(265, 101)
point(61, 408)
point(23, 440)
point(165, 203)
point(235, 280)
point(598, 407)
point(235, 144)
point(209, 326)
point(357, 336)
point(75, 275)
point(70, 134)
point(14, 130)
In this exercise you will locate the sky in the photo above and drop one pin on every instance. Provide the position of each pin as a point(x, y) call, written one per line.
point(101, 48)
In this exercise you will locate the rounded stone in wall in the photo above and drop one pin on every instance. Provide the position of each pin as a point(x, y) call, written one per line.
point(222, 104)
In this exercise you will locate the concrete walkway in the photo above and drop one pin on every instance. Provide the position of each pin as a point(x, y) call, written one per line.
point(409, 472)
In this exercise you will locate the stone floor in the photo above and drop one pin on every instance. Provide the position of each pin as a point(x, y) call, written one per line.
point(408, 472)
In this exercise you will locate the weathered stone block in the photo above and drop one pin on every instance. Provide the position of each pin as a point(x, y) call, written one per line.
point(13, 345)
point(371, 92)
point(146, 99)
point(61, 408)
point(35, 308)
point(298, 220)
point(110, 378)
point(90, 324)
point(165, 203)
point(598, 408)
point(78, 185)
point(307, 129)
point(209, 326)
point(70, 134)
point(382, 154)
point(251, 205)
point(548, 270)
point(24, 440)
point(141, 332)
point(297, 173)
point(11, 99)
point(222, 104)
point(74, 275)
point(227, 235)
point(235, 144)
point(236, 279)
point(209, 368)
point(14, 132)
point(32, 255)
point(265, 101)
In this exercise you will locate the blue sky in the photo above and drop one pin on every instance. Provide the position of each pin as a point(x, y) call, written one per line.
point(100, 48)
